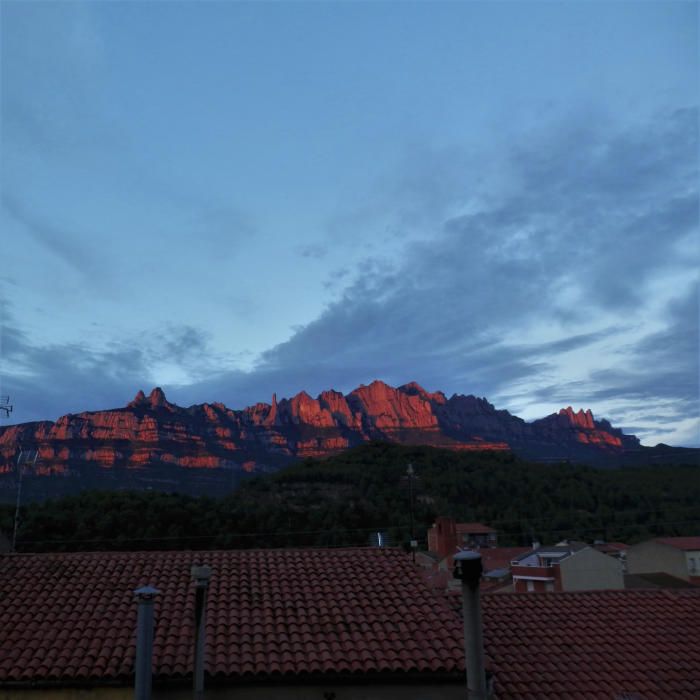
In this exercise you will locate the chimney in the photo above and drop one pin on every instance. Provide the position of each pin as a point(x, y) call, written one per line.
point(144, 642)
point(200, 575)
point(468, 569)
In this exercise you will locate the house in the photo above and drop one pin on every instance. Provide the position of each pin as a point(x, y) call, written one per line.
point(677, 556)
point(446, 536)
point(336, 624)
point(573, 566)
point(618, 550)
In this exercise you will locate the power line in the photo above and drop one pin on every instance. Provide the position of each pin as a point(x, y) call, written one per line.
point(282, 533)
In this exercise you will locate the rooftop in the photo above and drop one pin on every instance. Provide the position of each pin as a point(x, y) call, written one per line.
point(684, 543)
point(473, 529)
point(556, 553)
point(500, 557)
point(360, 613)
point(270, 612)
point(595, 644)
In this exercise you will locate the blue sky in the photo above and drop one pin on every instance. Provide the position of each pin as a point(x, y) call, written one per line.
point(230, 199)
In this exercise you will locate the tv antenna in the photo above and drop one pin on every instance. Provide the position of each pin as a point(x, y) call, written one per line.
point(24, 458)
point(5, 405)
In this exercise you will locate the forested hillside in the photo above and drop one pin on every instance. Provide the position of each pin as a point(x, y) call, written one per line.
point(342, 500)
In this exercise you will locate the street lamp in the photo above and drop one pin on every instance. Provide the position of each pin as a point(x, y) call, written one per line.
point(411, 473)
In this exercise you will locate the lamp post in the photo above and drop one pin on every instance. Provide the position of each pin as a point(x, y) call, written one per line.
point(24, 457)
point(144, 642)
point(200, 575)
point(468, 569)
point(410, 473)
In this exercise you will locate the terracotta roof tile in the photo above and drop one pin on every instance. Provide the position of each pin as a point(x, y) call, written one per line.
point(615, 643)
point(685, 543)
point(66, 616)
point(360, 611)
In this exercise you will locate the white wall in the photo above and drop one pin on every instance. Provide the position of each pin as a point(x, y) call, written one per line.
point(590, 570)
point(651, 557)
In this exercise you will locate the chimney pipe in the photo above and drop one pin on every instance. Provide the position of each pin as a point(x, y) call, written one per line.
point(144, 642)
point(200, 575)
point(468, 569)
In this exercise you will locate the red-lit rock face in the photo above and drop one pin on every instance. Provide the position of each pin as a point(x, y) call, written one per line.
point(152, 431)
point(387, 408)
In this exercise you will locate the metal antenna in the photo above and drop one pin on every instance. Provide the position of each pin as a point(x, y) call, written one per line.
point(5, 405)
point(23, 458)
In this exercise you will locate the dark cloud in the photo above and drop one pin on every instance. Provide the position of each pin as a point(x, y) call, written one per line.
point(662, 370)
point(48, 380)
point(315, 251)
point(592, 217)
point(180, 344)
point(580, 223)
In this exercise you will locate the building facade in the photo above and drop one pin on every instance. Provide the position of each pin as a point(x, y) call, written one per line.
point(566, 567)
point(677, 556)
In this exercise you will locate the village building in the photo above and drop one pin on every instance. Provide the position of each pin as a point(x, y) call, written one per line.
point(618, 550)
point(447, 536)
point(676, 556)
point(568, 566)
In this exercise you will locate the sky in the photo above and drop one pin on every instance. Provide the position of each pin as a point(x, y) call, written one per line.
point(231, 199)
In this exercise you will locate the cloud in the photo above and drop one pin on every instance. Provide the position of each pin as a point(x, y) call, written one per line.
point(315, 251)
point(562, 273)
point(48, 380)
point(589, 219)
point(58, 241)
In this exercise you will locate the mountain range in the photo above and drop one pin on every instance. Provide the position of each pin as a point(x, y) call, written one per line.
point(153, 443)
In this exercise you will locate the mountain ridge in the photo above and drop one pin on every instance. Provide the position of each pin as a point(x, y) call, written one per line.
point(152, 438)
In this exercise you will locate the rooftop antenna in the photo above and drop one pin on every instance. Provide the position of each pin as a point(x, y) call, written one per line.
point(25, 457)
point(5, 405)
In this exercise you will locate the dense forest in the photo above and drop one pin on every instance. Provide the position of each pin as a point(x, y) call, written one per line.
point(345, 499)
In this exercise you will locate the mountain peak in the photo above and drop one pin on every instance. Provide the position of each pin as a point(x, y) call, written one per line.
point(413, 387)
point(138, 400)
point(582, 419)
point(157, 398)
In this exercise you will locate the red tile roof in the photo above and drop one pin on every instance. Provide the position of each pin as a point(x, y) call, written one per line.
point(685, 543)
point(270, 612)
point(287, 613)
point(607, 644)
point(500, 557)
point(473, 529)
point(611, 547)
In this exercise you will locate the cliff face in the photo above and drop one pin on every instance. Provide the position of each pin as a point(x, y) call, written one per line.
point(153, 439)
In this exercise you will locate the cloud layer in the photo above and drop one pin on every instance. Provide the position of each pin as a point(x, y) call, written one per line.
point(562, 270)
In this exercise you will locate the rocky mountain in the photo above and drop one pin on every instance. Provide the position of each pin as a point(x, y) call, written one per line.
point(153, 443)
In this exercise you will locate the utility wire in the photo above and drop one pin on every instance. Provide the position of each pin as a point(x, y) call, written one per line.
point(272, 535)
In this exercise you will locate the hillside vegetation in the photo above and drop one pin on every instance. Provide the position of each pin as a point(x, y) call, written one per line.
point(342, 500)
